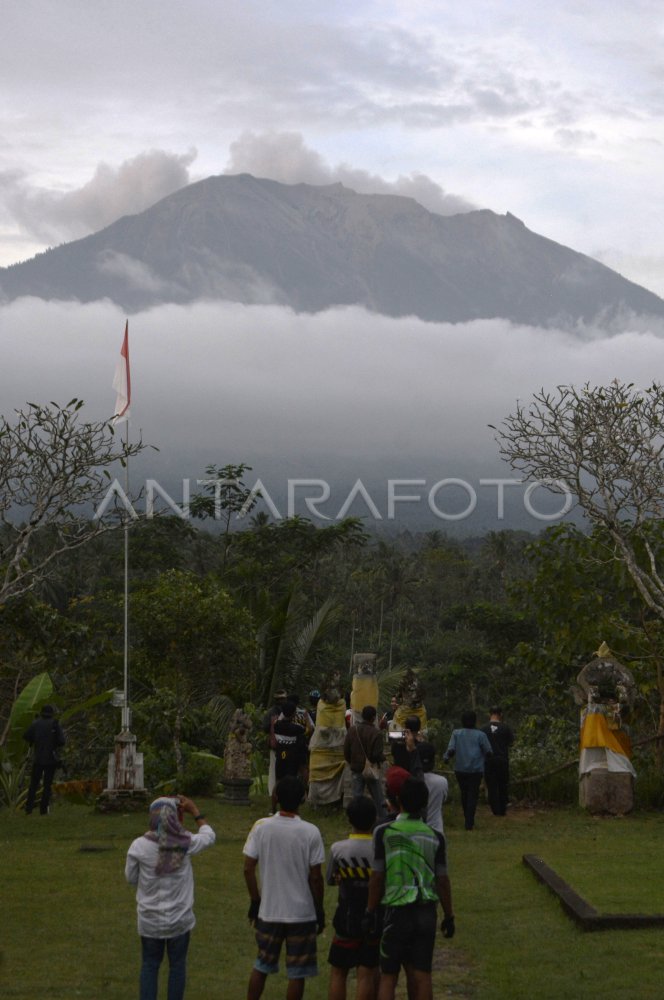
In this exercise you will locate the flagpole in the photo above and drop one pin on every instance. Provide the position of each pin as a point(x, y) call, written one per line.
point(126, 714)
point(125, 764)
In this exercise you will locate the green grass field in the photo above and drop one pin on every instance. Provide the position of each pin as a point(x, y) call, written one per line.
point(68, 924)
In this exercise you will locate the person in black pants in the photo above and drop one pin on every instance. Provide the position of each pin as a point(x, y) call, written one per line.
point(497, 767)
point(470, 747)
point(45, 735)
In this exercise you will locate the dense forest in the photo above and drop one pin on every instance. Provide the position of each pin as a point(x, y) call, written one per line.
point(222, 618)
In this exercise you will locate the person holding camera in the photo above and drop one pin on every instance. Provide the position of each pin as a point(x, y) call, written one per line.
point(405, 747)
point(159, 865)
point(45, 736)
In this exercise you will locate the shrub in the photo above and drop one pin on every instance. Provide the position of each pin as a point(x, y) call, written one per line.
point(202, 772)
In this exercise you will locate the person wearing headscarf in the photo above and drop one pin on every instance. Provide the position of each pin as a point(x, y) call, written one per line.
point(159, 865)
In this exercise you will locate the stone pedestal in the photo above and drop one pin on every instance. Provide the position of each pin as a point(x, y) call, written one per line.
point(236, 790)
point(121, 800)
point(608, 792)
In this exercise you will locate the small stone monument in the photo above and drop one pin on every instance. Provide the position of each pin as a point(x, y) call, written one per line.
point(125, 790)
point(237, 778)
point(605, 692)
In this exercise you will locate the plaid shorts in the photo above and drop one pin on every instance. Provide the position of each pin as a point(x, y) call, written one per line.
point(300, 948)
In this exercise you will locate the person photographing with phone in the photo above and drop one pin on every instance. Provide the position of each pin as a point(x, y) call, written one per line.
point(159, 865)
point(405, 747)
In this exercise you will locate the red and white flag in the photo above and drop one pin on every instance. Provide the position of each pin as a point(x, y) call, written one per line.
point(122, 381)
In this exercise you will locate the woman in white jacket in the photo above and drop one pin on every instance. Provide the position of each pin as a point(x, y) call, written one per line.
point(159, 865)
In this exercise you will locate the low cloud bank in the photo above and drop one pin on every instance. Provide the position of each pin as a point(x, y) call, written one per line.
point(337, 396)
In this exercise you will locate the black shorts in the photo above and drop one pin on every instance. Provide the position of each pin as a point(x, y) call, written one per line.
point(348, 953)
point(409, 935)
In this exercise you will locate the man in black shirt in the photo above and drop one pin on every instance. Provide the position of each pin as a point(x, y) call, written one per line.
point(290, 746)
point(497, 767)
point(45, 735)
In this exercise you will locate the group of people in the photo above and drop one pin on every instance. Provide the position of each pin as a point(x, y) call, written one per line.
point(390, 871)
point(391, 875)
point(481, 753)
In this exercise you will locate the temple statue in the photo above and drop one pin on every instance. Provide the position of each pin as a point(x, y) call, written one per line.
point(410, 696)
point(237, 758)
point(237, 778)
point(326, 747)
point(605, 693)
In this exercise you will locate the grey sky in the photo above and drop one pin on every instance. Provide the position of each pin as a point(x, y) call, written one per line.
point(552, 112)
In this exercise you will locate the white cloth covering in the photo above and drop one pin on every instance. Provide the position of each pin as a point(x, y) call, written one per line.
point(601, 758)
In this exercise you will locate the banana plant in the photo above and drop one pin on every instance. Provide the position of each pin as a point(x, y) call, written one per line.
point(13, 748)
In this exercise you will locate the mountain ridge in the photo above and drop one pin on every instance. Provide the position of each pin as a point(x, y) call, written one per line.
point(257, 241)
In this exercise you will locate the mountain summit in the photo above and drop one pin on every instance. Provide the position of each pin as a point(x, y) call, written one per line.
point(254, 241)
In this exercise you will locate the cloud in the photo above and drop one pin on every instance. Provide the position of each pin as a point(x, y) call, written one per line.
point(284, 156)
point(342, 395)
point(136, 273)
point(112, 192)
point(54, 217)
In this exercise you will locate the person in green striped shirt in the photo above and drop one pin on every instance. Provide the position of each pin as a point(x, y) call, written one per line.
point(409, 878)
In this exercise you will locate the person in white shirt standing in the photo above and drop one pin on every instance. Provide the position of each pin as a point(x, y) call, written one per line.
point(159, 865)
point(289, 905)
point(437, 785)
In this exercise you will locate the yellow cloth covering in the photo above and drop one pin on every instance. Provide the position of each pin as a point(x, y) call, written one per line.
point(324, 765)
point(595, 732)
point(326, 753)
point(364, 691)
point(331, 714)
point(404, 711)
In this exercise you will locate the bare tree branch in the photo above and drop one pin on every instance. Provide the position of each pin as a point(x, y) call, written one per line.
point(604, 445)
point(54, 472)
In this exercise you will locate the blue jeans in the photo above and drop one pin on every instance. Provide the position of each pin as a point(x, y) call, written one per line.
point(375, 789)
point(153, 953)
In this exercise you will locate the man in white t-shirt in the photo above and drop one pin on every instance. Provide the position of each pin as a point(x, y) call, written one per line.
point(288, 907)
point(437, 785)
